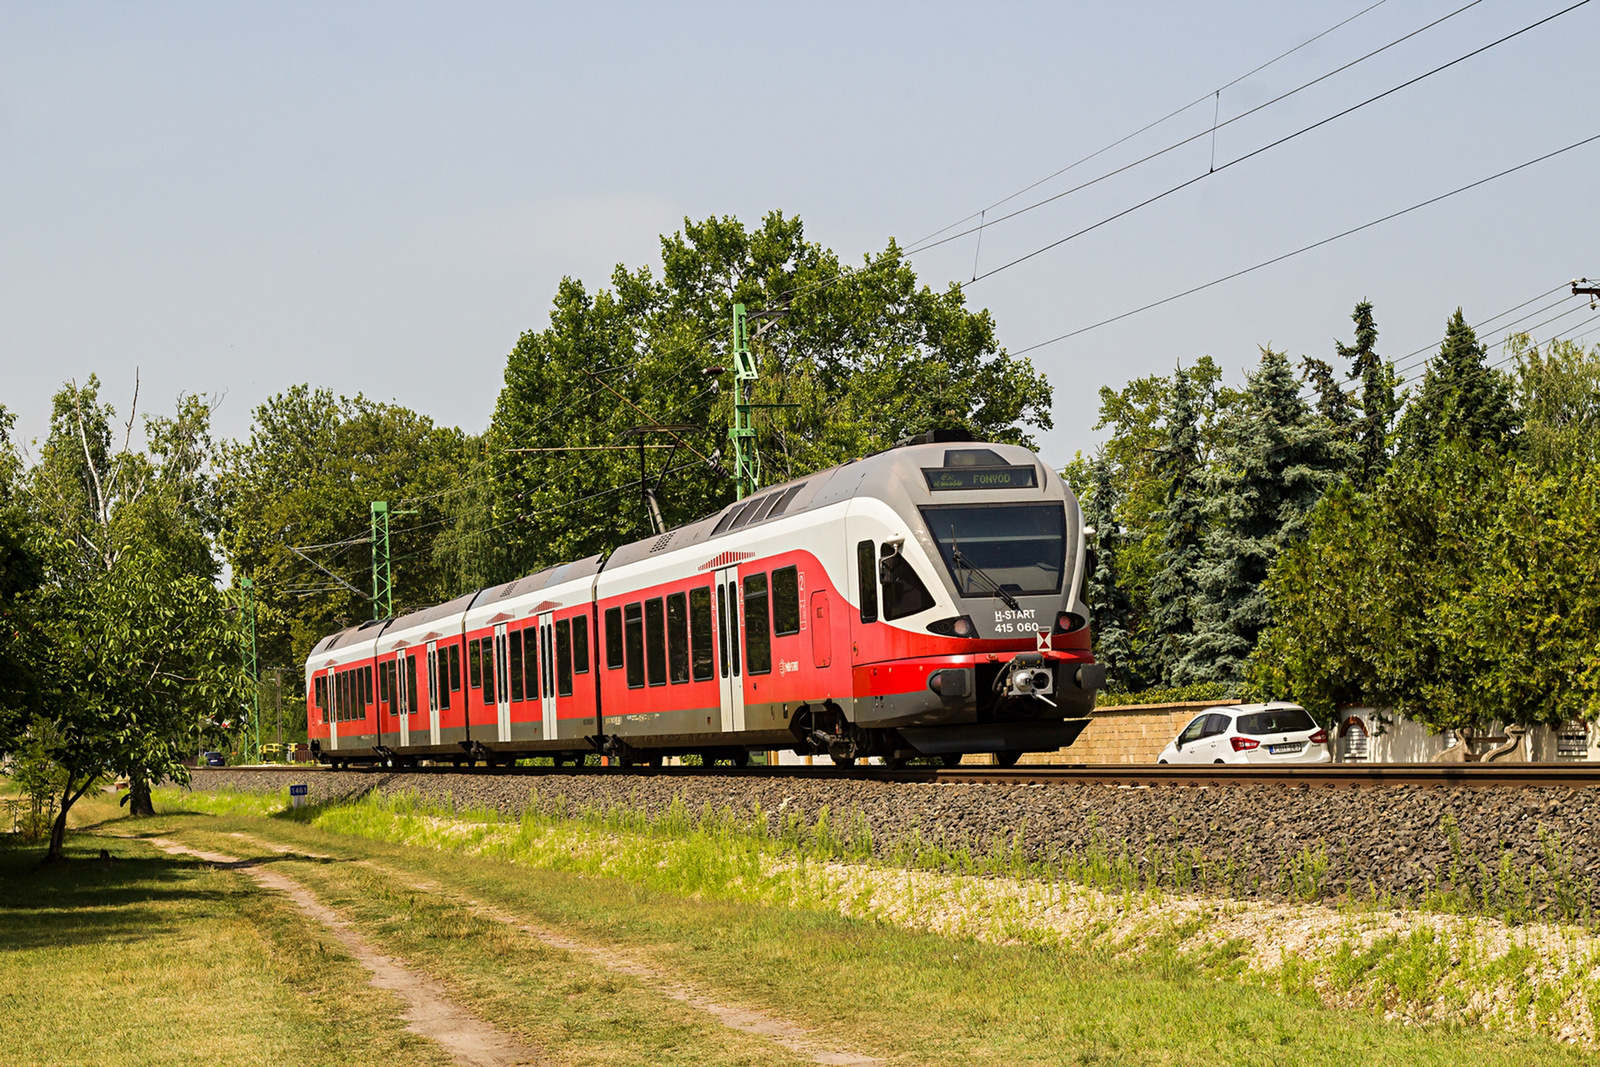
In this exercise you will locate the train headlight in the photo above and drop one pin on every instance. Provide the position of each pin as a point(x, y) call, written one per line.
point(1068, 621)
point(960, 626)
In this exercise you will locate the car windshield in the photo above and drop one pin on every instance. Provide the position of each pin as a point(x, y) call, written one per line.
point(1275, 721)
point(1019, 547)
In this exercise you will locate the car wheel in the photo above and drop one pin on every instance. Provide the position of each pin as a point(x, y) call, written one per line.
point(1161, 761)
point(1219, 761)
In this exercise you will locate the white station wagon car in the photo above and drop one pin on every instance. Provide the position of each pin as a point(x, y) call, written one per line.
point(1251, 733)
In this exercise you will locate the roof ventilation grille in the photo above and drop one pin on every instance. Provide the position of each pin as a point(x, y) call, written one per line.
point(663, 541)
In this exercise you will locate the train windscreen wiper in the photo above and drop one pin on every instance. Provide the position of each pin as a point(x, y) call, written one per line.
point(960, 560)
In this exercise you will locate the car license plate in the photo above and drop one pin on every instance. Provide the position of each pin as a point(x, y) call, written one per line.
point(1286, 750)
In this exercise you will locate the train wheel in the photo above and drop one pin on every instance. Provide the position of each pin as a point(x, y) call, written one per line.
point(844, 761)
point(1008, 758)
point(657, 760)
point(951, 759)
point(741, 759)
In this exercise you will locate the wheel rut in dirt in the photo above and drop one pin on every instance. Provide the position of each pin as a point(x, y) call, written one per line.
point(428, 1011)
point(796, 1038)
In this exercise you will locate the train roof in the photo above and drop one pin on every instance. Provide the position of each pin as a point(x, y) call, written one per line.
point(870, 475)
point(550, 576)
point(365, 631)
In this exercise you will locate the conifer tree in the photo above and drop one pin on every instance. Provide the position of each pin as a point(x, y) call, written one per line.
point(1461, 399)
point(1377, 398)
point(1108, 598)
point(1173, 591)
point(1275, 459)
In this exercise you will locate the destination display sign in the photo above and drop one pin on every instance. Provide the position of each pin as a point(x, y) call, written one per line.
point(941, 479)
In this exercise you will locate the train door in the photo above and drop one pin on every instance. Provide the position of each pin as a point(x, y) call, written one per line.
point(502, 677)
point(547, 676)
point(401, 699)
point(728, 643)
point(435, 679)
point(821, 630)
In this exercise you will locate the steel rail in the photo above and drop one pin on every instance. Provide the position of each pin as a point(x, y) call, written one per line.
point(1142, 776)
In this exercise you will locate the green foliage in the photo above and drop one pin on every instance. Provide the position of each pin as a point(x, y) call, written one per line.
point(133, 647)
point(1461, 398)
point(1274, 460)
point(307, 476)
point(1182, 694)
point(1107, 595)
point(1460, 593)
point(1374, 427)
point(867, 354)
point(1558, 392)
point(1175, 591)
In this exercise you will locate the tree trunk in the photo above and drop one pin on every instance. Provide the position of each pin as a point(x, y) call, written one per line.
point(139, 802)
point(58, 830)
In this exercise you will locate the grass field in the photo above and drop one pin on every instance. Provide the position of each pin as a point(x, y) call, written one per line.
point(155, 959)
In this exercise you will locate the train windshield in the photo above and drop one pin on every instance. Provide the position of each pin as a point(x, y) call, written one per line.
point(1018, 548)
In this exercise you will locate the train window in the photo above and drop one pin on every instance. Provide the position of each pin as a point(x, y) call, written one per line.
point(442, 658)
point(678, 637)
point(757, 632)
point(474, 664)
point(786, 500)
point(700, 632)
point(392, 678)
point(903, 592)
point(383, 685)
point(564, 658)
point(489, 671)
point(411, 684)
point(455, 668)
point(580, 644)
point(786, 601)
point(633, 642)
point(1019, 547)
point(319, 691)
point(722, 627)
point(517, 692)
point(655, 641)
point(613, 638)
point(867, 574)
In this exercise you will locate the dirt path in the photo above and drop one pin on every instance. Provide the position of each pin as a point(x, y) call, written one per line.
point(428, 1008)
point(792, 1036)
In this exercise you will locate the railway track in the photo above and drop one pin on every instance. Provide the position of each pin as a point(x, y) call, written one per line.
point(1139, 776)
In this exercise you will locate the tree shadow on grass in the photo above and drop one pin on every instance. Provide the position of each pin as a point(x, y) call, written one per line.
point(87, 900)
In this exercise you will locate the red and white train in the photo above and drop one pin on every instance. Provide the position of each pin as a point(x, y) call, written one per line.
point(922, 601)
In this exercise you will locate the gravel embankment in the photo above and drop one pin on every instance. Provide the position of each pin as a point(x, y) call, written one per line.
point(1390, 839)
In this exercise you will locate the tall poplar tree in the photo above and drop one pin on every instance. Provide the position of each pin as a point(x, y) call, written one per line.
point(1377, 400)
point(1173, 592)
point(1108, 598)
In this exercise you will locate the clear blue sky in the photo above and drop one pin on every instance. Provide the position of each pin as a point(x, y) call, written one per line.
point(380, 197)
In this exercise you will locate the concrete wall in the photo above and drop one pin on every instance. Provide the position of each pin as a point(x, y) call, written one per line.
point(1396, 739)
point(1135, 733)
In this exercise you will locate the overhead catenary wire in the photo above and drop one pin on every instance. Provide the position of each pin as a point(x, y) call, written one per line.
point(1273, 144)
point(1211, 131)
point(1151, 125)
point(1306, 248)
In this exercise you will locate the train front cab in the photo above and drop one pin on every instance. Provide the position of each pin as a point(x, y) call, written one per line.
point(943, 663)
